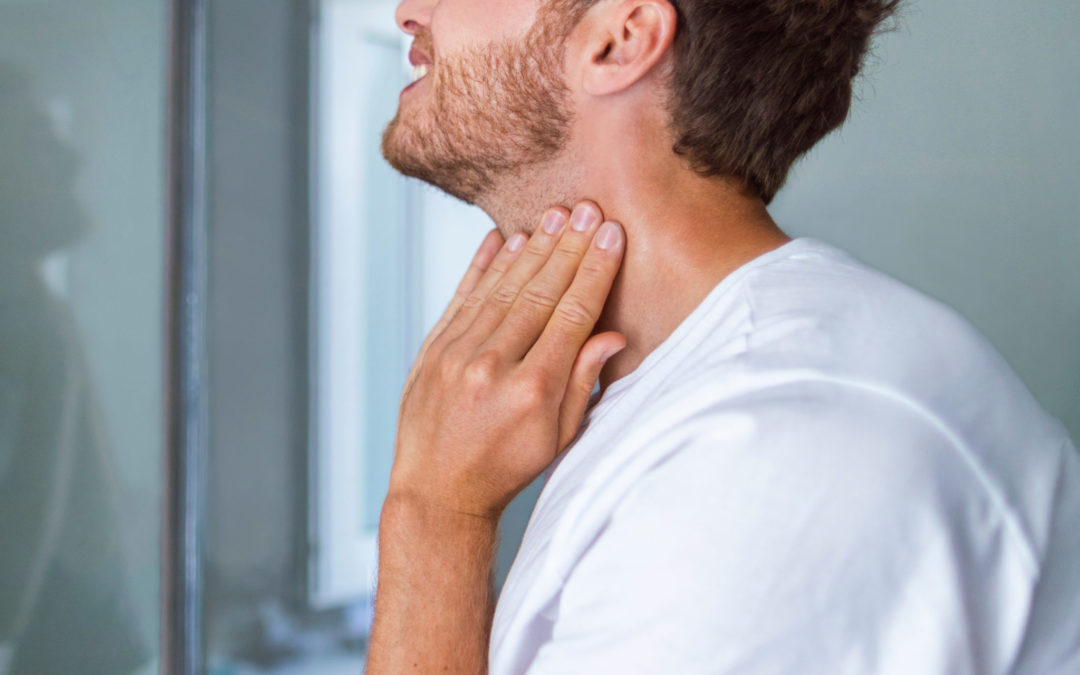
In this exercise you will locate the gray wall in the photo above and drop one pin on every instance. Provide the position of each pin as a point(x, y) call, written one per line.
point(958, 172)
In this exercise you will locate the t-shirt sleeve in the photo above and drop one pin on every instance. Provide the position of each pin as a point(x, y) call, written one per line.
point(841, 534)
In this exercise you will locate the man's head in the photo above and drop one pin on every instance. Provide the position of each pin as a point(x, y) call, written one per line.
point(745, 87)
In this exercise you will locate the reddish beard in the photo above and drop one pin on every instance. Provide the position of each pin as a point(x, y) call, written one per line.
point(490, 111)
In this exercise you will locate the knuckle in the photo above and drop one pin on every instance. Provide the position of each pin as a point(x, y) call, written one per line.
point(499, 266)
point(505, 294)
point(535, 249)
point(574, 312)
point(450, 358)
point(439, 350)
point(446, 369)
point(472, 301)
point(532, 391)
point(593, 267)
point(480, 371)
point(539, 297)
point(568, 249)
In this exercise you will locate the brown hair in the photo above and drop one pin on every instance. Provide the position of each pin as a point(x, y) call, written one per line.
point(756, 83)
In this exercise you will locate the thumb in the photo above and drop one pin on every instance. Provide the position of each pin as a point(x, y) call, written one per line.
point(583, 376)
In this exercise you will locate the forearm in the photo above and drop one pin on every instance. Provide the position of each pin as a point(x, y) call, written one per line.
point(435, 597)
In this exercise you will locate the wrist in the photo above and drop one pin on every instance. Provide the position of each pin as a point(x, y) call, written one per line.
point(419, 537)
point(406, 508)
point(413, 494)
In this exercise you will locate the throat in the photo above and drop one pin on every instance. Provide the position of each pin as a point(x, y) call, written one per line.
point(517, 201)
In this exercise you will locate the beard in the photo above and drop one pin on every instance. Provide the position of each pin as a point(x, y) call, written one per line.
point(490, 112)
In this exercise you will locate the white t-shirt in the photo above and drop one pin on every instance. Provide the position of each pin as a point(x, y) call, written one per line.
point(821, 470)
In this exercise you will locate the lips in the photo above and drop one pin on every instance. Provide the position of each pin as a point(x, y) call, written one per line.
point(420, 61)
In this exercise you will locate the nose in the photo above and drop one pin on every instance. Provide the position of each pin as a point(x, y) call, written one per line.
point(412, 15)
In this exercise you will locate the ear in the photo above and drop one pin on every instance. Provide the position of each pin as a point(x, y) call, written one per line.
point(624, 41)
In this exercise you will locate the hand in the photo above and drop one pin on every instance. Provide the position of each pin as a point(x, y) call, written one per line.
point(501, 383)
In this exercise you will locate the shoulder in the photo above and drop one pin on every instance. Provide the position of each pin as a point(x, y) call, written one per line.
point(827, 302)
point(844, 459)
point(825, 315)
point(797, 524)
point(813, 468)
point(857, 446)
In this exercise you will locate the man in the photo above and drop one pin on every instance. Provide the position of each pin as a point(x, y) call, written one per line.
point(793, 464)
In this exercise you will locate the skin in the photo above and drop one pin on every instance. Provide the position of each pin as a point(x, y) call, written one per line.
point(501, 383)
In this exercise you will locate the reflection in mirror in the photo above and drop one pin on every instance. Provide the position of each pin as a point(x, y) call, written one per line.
point(78, 489)
point(61, 572)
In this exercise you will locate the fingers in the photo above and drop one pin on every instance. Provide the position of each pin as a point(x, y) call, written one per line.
point(579, 307)
point(540, 297)
point(489, 248)
point(586, 371)
point(480, 262)
point(503, 292)
point(514, 326)
point(475, 299)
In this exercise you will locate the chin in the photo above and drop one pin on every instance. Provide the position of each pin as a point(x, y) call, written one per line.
point(456, 178)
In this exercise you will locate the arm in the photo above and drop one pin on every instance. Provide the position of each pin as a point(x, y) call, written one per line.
point(498, 391)
point(436, 594)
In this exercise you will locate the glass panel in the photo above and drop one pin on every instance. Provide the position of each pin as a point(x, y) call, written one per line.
point(82, 231)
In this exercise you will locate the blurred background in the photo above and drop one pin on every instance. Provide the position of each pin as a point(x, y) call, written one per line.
point(203, 335)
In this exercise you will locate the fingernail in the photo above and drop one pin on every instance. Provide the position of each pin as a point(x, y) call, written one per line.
point(515, 243)
point(554, 221)
point(583, 218)
point(608, 236)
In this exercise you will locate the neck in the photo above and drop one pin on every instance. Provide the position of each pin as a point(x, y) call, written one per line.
point(684, 232)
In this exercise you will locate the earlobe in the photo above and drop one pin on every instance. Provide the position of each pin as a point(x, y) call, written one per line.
point(627, 39)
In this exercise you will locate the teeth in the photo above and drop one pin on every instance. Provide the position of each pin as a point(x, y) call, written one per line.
point(419, 71)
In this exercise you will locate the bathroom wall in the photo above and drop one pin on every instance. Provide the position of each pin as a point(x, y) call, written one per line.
point(957, 172)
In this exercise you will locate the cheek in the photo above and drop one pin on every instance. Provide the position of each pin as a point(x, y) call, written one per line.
point(461, 24)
